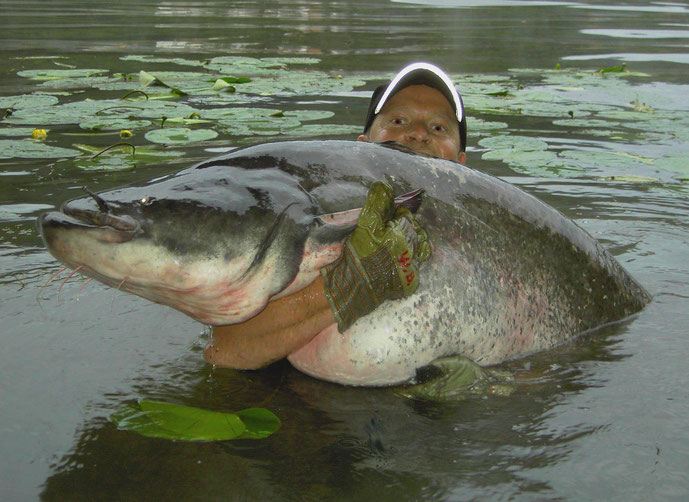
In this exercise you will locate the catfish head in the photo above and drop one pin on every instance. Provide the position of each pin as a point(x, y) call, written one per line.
point(215, 242)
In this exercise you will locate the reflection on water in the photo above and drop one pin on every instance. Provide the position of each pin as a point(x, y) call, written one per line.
point(339, 442)
point(627, 56)
point(619, 33)
point(602, 418)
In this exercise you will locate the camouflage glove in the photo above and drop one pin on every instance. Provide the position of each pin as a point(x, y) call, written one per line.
point(378, 261)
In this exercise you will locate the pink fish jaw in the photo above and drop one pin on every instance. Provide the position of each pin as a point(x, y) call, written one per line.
point(211, 291)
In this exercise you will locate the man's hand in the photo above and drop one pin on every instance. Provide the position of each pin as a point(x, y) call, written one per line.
point(378, 261)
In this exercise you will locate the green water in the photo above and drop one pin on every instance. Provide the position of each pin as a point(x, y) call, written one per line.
point(602, 418)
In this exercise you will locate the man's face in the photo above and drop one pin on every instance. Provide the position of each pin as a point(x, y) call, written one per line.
point(421, 118)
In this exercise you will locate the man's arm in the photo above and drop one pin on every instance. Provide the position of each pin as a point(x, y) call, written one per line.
point(284, 326)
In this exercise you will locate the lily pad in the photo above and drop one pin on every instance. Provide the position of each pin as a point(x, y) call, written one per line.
point(142, 153)
point(291, 60)
point(76, 112)
point(246, 66)
point(479, 125)
point(16, 132)
point(59, 74)
point(605, 161)
point(113, 124)
point(676, 163)
point(585, 123)
point(510, 142)
point(324, 130)
point(529, 156)
point(186, 423)
point(179, 135)
point(223, 85)
point(68, 113)
point(631, 179)
point(32, 149)
point(155, 59)
point(24, 101)
point(119, 158)
point(299, 83)
point(535, 163)
point(272, 76)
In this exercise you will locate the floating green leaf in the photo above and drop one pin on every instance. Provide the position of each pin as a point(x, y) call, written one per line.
point(631, 179)
point(153, 59)
point(142, 152)
point(615, 69)
point(240, 65)
point(119, 158)
point(324, 130)
point(259, 422)
point(185, 121)
point(60, 74)
point(585, 123)
point(179, 135)
point(509, 142)
point(25, 101)
point(177, 422)
point(528, 155)
point(479, 125)
point(235, 80)
point(113, 124)
point(17, 132)
point(291, 60)
point(222, 85)
point(675, 162)
point(146, 80)
point(600, 160)
point(76, 112)
point(32, 149)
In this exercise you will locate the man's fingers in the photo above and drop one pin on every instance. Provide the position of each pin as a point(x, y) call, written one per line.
point(416, 236)
point(378, 208)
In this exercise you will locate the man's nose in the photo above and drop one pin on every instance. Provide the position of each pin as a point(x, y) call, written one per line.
point(417, 131)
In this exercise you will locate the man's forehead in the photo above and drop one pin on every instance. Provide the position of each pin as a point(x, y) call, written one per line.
point(420, 97)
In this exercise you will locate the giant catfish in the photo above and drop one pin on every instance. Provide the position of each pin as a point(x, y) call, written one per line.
point(509, 275)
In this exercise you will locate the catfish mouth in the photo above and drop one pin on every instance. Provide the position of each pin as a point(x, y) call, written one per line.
point(99, 221)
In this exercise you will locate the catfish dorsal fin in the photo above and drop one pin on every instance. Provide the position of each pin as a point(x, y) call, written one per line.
point(335, 226)
point(410, 200)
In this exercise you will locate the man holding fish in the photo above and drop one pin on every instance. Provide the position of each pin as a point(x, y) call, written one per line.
point(420, 110)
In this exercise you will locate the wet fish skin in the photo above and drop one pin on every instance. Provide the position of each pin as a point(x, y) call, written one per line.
point(509, 275)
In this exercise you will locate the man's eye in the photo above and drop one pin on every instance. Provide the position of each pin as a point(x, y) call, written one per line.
point(439, 128)
point(397, 121)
